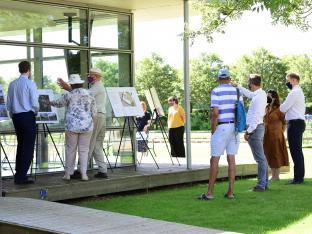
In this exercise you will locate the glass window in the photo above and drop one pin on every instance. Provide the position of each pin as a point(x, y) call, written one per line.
point(110, 30)
point(28, 22)
point(116, 68)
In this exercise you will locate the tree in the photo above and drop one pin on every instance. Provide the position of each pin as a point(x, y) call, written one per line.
point(269, 67)
point(203, 77)
point(4, 84)
point(217, 13)
point(153, 72)
point(301, 64)
point(109, 72)
point(48, 83)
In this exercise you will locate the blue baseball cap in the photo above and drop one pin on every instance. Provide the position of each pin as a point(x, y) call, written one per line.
point(223, 73)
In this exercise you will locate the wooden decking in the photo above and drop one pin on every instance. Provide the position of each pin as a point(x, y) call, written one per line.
point(24, 215)
point(52, 188)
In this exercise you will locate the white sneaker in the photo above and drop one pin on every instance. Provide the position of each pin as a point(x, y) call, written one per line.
point(66, 177)
point(84, 177)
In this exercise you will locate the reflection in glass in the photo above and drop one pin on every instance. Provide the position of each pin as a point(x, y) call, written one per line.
point(110, 30)
point(33, 22)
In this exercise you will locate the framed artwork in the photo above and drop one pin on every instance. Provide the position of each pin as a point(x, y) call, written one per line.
point(124, 101)
point(3, 110)
point(46, 113)
point(153, 101)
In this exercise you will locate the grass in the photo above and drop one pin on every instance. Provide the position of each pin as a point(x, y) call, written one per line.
point(277, 209)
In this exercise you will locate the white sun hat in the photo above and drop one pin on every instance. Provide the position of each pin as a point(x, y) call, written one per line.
point(75, 79)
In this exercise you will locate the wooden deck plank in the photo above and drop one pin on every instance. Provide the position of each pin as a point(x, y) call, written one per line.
point(50, 217)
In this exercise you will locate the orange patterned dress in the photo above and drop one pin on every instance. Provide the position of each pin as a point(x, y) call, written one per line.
point(274, 142)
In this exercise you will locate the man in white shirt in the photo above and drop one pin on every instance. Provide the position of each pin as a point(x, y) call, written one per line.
point(22, 104)
point(255, 128)
point(294, 107)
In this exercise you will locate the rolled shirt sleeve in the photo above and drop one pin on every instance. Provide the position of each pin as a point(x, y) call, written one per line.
point(288, 103)
point(246, 92)
point(214, 100)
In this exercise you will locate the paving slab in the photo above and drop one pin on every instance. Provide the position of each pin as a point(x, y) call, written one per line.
point(61, 218)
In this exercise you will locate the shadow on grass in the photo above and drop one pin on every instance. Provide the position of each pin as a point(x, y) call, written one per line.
point(249, 212)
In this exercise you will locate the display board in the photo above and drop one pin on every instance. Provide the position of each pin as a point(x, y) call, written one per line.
point(46, 113)
point(124, 101)
point(153, 101)
point(3, 110)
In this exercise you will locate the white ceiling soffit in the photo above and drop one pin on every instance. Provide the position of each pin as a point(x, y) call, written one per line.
point(130, 4)
point(144, 10)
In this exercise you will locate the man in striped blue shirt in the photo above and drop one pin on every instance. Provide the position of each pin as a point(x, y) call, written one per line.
point(224, 138)
point(22, 103)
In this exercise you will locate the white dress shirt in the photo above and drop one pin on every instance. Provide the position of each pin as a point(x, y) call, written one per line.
point(22, 96)
point(294, 105)
point(256, 109)
point(98, 91)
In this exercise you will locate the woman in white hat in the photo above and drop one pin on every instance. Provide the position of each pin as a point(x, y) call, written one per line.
point(79, 118)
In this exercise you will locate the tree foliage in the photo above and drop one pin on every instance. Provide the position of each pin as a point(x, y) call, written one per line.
point(302, 65)
point(203, 77)
point(5, 84)
point(269, 67)
point(109, 72)
point(153, 72)
point(217, 13)
point(48, 83)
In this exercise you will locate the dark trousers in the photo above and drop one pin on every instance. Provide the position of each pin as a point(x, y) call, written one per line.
point(176, 142)
point(25, 129)
point(295, 131)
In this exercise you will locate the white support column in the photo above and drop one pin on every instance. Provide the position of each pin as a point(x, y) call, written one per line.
point(186, 85)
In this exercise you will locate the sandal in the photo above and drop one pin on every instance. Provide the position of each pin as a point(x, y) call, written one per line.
point(205, 197)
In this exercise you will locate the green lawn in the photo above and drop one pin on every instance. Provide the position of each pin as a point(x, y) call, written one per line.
point(277, 209)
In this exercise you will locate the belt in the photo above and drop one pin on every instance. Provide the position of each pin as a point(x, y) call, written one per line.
point(101, 113)
point(295, 120)
point(225, 122)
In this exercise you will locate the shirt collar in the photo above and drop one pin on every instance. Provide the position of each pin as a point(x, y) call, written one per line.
point(258, 90)
point(23, 76)
point(225, 85)
point(95, 83)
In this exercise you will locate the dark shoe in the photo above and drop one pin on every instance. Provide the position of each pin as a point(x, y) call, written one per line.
point(24, 182)
point(229, 196)
point(257, 189)
point(101, 175)
point(205, 197)
point(295, 182)
point(76, 175)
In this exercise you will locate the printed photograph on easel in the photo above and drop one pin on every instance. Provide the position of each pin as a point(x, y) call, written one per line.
point(124, 101)
point(153, 102)
point(3, 111)
point(47, 113)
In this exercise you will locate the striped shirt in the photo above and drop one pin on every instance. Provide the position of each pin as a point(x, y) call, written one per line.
point(224, 98)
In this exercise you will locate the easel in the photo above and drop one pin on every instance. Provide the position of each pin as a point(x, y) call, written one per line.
point(46, 131)
point(128, 122)
point(159, 123)
point(6, 157)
